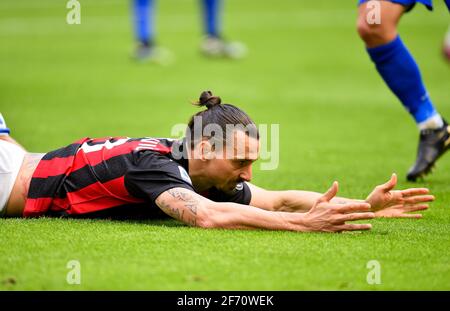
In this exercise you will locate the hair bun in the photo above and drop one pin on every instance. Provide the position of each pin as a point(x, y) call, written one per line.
point(208, 99)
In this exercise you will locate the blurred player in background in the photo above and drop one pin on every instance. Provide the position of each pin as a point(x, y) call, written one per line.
point(213, 44)
point(399, 70)
point(446, 45)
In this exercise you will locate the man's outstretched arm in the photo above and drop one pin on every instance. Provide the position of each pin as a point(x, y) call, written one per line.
point(384, 201)
point(289, 200)
point(195, 210)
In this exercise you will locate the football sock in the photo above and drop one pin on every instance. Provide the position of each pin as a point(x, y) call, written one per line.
point(433, 122)
point(211, 10)
point(143, 21)
point(401, 73)
point(4, 130)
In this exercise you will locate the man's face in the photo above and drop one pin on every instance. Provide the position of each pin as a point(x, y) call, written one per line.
point(233, 164)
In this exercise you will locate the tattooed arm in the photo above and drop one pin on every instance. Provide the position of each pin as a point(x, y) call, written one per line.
point(195, 210)
point(182, 204)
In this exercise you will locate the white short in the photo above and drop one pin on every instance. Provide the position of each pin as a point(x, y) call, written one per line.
point(11, 158)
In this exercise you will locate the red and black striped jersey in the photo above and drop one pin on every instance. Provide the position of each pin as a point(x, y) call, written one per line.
point(113, 176)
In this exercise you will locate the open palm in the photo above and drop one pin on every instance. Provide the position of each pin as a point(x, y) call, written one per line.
point(386, 202)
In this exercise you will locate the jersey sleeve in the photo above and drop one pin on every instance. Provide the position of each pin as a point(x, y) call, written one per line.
point(154, 173)
point(241, 194)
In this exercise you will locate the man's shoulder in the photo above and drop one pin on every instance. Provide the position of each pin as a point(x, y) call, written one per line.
point(158, 165)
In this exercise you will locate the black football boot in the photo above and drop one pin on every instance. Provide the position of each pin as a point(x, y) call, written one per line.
point(432, 144)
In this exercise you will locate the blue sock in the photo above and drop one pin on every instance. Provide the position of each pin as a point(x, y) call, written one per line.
point(401, 73)
point(143, 21)
point(211, 12)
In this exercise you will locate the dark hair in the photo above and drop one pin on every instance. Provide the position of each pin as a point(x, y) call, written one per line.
point(219, 114)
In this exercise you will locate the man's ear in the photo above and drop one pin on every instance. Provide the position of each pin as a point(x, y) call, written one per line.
point(205, 150)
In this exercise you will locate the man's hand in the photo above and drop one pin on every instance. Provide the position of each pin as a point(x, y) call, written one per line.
point(389, 203)
point(332, 217)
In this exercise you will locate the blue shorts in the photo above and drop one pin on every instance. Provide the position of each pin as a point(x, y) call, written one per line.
point(409, 4)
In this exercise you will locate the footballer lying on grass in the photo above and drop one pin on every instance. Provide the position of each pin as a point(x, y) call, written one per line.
point(195, 180)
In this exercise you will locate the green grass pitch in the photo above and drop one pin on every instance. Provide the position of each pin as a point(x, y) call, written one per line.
point(306, 70)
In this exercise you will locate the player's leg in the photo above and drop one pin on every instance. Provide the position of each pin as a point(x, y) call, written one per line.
point(214, 44)
point(5, 131)
point(11, 158)
point(399, 70)
point(144, 32)
point(143, 21)
point(375, 32)
point(143, 15)
point(446, 45)
point(211, 15)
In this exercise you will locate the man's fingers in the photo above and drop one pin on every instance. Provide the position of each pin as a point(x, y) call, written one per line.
point(419, 199)
point(357, 216)
point(416, 207)
point(353, 227)
point(414, 191)
point(416, 216)
point(391, 183)
point(353, 207)
point(331, 193)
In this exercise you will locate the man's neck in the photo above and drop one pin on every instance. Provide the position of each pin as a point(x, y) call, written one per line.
point(197, 175)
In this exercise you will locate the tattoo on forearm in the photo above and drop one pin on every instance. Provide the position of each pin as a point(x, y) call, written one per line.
point(191, 202)
point(178, 212)
point(172, 211)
